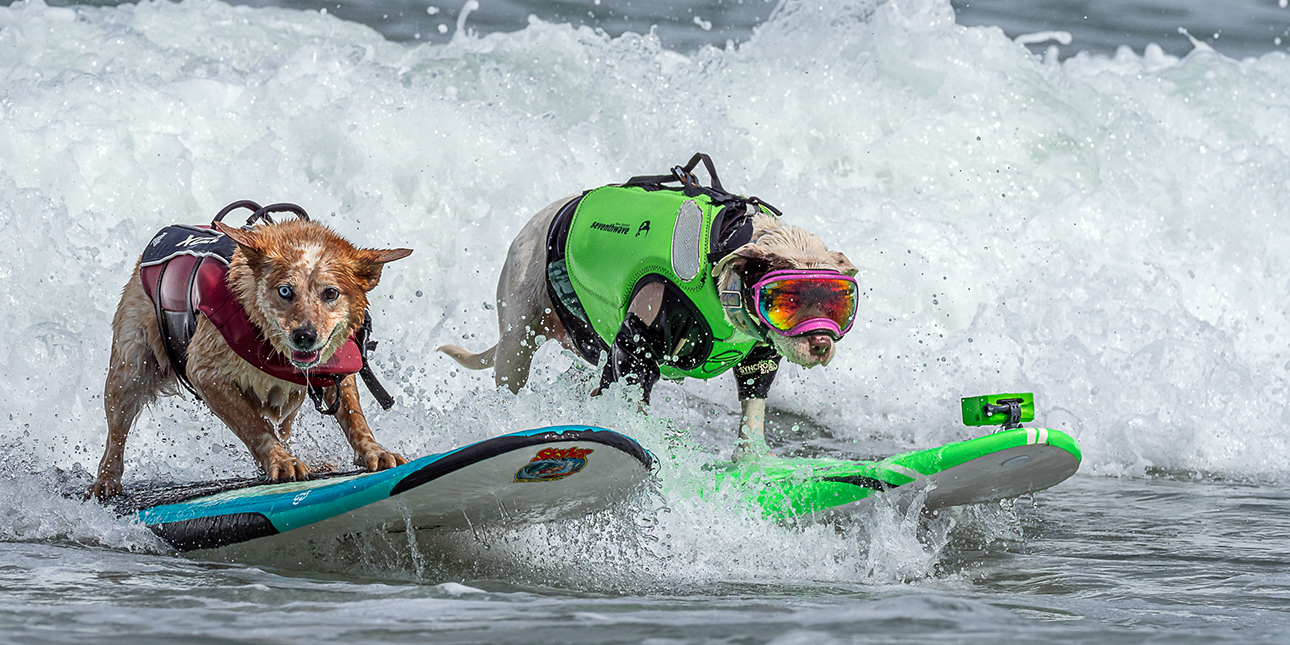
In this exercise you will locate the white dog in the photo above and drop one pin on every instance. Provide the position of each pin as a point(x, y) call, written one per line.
point(670, 281)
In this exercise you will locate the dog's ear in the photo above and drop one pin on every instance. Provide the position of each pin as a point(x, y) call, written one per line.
point(371, 261)
point(740, 257)
point(764, 223)
point(844, 265)
point(249, 240)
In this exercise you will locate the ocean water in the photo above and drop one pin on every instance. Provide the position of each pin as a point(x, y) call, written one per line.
point(1238, 28)
point(1102, 226)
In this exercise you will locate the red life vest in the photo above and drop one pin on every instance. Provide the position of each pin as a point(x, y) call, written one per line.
point(184, 270)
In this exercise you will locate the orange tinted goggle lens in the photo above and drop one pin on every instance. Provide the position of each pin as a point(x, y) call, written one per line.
point(787, 303)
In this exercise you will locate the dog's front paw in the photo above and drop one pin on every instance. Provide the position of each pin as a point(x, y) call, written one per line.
point(748, 450)
point(103, 488)
point(378, 458)
point(281, 466)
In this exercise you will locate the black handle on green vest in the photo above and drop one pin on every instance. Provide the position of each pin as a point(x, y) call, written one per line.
point(684, 175)
point(691, 187)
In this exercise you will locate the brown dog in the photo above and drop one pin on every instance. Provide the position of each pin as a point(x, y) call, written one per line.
point(304, 291)
point(652, 326)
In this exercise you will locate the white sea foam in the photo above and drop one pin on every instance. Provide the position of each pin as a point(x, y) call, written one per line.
point(1103, 231)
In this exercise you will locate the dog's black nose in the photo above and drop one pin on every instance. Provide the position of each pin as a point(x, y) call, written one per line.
point(820, 344)
point(304, 337)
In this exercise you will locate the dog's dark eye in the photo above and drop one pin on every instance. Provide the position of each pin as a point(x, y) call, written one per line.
point(285, 292)
point(330, 293)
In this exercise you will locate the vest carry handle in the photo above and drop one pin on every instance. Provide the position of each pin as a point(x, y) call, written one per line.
point(260, 213)
point(690, 185)
point(245, 203)
point(684, 175)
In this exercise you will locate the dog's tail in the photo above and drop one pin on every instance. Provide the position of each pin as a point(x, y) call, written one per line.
point(482, 360)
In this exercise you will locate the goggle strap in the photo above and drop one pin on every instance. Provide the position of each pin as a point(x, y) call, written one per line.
point(754, 201)
point(732, 300)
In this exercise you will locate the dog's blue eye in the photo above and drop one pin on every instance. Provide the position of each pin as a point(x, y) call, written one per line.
point(285, 292)
point(330, 293)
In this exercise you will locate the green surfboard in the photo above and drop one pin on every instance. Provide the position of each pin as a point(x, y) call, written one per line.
point(1012, 462)
point(1003, 465)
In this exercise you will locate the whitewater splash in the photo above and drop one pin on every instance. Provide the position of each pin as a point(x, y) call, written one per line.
point(1102, 231)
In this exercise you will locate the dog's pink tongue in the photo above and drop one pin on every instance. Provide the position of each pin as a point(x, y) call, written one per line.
point(304, 357)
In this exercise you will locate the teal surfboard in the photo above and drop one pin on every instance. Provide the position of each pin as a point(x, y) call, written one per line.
point(1003, 465)
point(529, 476)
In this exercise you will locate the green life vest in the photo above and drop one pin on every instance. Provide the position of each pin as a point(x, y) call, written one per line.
point(619, 235)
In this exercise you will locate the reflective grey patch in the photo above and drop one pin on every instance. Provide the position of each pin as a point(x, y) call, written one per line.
point(687, 236)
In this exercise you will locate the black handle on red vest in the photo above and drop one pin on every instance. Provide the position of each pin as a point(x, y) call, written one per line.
point(259, 212)
point(284, 207)
point(245, 203)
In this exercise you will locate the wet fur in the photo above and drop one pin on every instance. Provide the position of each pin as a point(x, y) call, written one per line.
point(257, 407)
point(525, 310)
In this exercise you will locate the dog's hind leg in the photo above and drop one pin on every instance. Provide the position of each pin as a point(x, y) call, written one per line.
point(514, 357)
point(524, 309)
point(525, 322)
point(137, 372)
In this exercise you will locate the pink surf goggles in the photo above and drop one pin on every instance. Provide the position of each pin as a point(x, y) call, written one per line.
point(797, 302)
